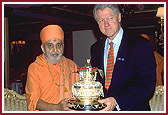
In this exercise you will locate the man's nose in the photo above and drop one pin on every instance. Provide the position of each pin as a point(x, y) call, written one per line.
point(55, 49)
point(106, 23)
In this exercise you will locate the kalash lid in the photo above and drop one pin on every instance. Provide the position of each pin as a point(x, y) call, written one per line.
point(88, 65)
point(87, 69)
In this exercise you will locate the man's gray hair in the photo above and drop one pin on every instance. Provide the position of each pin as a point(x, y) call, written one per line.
point(113, 7)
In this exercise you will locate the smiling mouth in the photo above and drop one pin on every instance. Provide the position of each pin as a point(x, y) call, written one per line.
point(55, 55)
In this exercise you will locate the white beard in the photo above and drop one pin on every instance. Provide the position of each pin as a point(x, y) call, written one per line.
point(52, 59)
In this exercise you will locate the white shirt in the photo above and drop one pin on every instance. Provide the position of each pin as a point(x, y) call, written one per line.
point(116, 44)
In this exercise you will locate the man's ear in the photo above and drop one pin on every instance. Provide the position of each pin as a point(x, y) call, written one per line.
point(119, 17)
point(63, 45)
point(42, 48)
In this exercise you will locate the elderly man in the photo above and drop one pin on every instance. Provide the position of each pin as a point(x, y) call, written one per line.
point(127, 61)
point(51, 75)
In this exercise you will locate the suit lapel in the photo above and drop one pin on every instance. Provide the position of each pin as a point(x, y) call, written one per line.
point(119, 65)
point(121, 60)
point(102, 45)
point(101, 58)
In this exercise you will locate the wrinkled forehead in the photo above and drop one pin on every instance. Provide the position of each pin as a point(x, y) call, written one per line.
point(54, 40)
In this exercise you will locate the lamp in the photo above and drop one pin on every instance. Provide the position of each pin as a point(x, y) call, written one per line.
point(160, 13)
point(17, 44)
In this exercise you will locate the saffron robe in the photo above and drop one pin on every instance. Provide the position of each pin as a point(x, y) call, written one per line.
point(159, 68)
point(40, 84)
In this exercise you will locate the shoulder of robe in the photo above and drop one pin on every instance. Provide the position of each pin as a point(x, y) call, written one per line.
point(70, 62)
point(35, 66)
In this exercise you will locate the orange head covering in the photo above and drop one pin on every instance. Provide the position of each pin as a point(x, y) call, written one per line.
point(51, 31)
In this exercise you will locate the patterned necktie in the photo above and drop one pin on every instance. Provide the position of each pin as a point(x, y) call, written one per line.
point(110, 66)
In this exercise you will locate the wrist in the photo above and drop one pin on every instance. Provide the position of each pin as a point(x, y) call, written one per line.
point(56, 107)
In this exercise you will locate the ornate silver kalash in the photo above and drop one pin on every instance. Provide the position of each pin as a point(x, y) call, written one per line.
point(87, 91)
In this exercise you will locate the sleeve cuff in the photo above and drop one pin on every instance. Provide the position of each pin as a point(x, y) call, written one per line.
point(118, 107)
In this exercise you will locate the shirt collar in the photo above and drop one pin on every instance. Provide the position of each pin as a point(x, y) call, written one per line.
point(118, 37)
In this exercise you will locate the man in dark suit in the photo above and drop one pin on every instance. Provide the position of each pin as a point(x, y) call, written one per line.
point(134, 72)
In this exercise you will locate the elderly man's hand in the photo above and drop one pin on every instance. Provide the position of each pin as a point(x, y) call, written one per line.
point(61, 106)
point(110, 102)
point(64, 106)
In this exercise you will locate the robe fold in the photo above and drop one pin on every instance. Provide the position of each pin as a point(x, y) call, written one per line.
point(40, 84)
point(159, 68)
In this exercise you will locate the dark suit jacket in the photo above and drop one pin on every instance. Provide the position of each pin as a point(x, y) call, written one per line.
point(134, 75)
